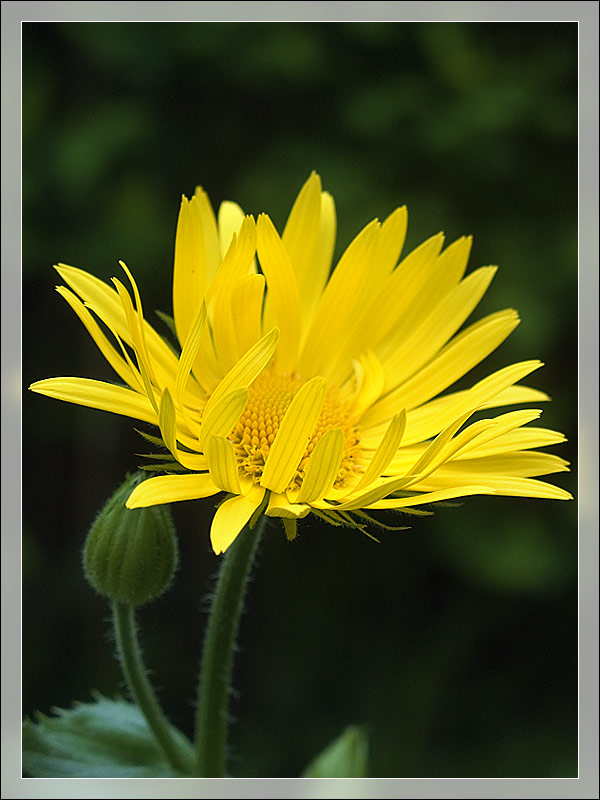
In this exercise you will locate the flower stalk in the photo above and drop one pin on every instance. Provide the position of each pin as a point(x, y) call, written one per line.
point(130, 657)
point(216, 664)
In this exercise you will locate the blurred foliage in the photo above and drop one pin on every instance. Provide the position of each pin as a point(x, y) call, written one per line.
point(454, 643)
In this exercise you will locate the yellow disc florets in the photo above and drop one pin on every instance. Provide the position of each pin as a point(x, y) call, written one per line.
point(269, 398)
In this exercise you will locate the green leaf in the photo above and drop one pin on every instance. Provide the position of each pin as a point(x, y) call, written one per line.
point(104, 739)
point(345, 757)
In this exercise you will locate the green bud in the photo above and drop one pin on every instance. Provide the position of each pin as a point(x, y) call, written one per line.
point(130, 555)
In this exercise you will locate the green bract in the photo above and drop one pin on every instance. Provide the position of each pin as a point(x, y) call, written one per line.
point(130, 555)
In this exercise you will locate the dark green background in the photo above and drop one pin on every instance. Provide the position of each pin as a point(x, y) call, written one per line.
point(454, 642)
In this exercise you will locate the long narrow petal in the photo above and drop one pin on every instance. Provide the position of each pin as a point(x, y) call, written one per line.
point(434, 496)
point(97, 394)
point(282, 305)
point(107, 305)
point(220, 419)
point(222, 464)
point(246, 300)
point(385, 452)
point(321, 264)
point(445, 319)
point(323, 466)
point(246, 370)
point(500, 484)
point(301, 237)
point(117, 362)
point(293, 436)
point(429, 419)
point(171, 489)
point(343, 294)
point(521, 439)
point(210, 235)
point(231, 516)
point(189, 271)
point(370, 380)
point(189, 353)
point(448, 366)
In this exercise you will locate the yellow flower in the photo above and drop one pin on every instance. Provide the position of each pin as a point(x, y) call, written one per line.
point(297, 391)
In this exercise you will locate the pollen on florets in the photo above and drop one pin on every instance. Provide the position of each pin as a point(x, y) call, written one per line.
point(268, 400)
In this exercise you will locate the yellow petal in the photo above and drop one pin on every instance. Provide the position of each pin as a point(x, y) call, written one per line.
point(445, 319)
point(222, 464)
point(237, 264)
point(457, 358)
point(390, 309)
point(385, 452)
point(97, 394)
point(343, 294)
point(518, 465)
point(144, 365)
point(427, 420)
point(293, 436)
point(279, 506)
point(107, 304)
point(370, 380)
point(171, 489)
point(246, 370)
point(321, 263)
point(323, 466)
point(123, 369)
point(210, 236)
point(231, 516)
point(521, 439)
point(433, 497)
point(246, 311)
point(501, 485)
point(189, 272)
point(220, 419)
point(230, 220)
point(168, 430)
point(282, 304)
point(189, 353)
point(301, 237)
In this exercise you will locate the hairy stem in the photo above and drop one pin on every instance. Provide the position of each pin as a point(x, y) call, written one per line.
point(130, 656)
point(217, 656)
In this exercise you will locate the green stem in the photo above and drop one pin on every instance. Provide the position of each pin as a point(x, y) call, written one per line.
point(217, 656)
point(130, 656)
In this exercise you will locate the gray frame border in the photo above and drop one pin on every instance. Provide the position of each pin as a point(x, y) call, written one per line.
point(586, 14)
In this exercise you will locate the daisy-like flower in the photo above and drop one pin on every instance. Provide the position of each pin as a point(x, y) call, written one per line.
point(298, 391)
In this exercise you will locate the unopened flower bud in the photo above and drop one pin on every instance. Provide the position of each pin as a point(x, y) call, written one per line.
point(130, 555)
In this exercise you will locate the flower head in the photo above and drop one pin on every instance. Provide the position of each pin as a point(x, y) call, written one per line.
point(300, 391)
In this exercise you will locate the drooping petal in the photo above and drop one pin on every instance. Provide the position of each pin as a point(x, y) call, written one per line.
point(231, 516)
point(171, 489)
point(222, 464)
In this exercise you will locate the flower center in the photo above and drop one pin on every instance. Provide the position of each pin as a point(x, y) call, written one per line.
point(268, 400)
